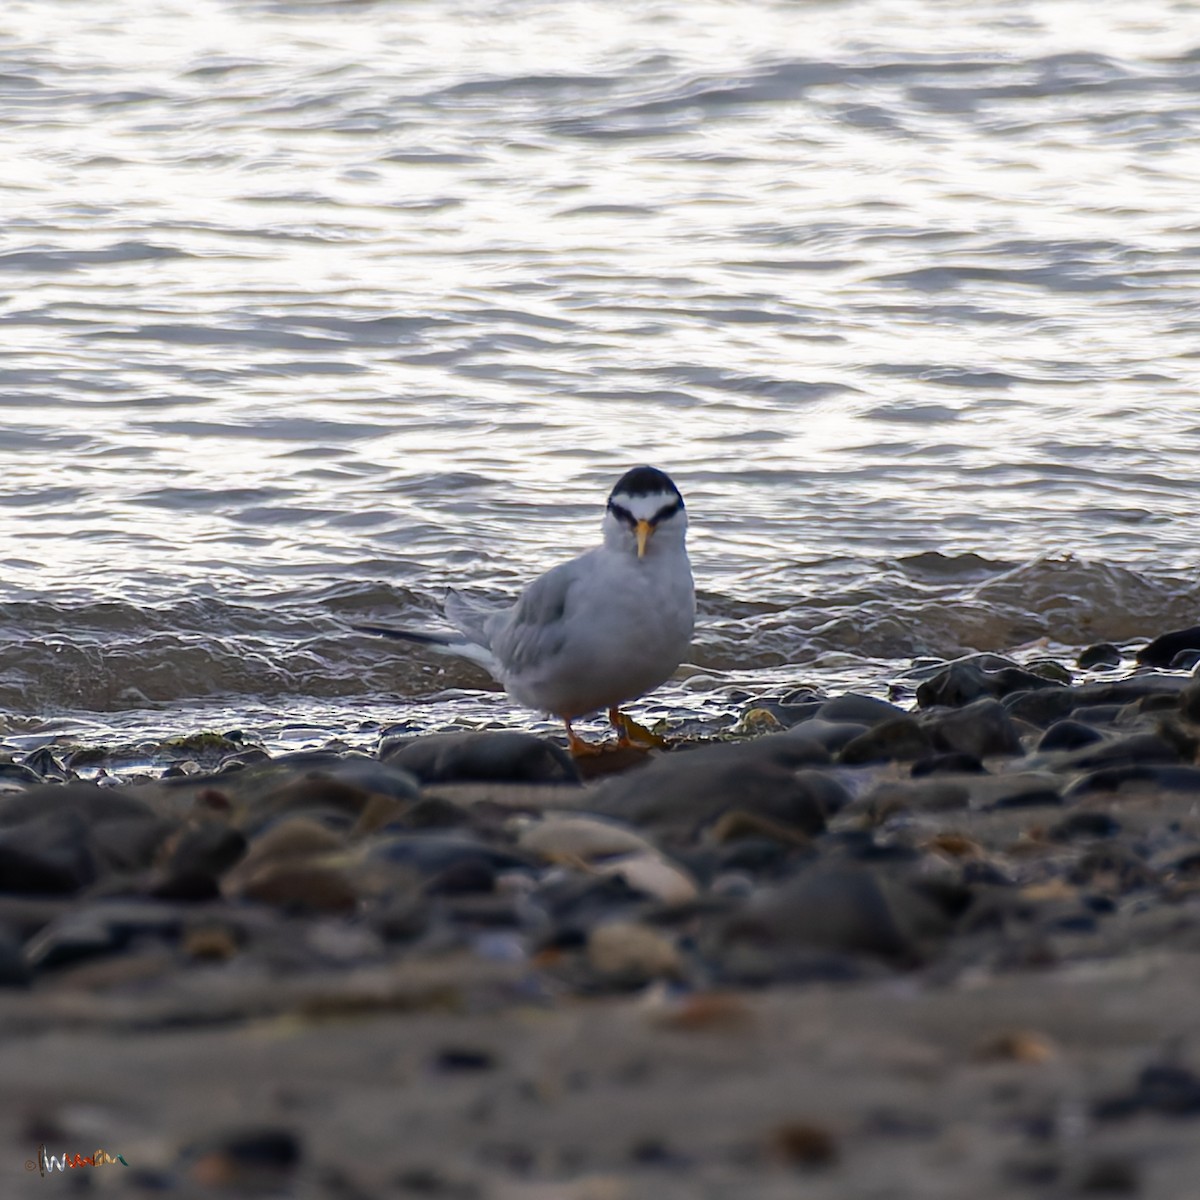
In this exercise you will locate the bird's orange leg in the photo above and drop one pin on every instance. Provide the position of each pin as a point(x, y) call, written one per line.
point(630, 733)
point(575, 744)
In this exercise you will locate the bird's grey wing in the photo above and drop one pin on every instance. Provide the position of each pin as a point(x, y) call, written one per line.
point(471, 617)
point(533, 631)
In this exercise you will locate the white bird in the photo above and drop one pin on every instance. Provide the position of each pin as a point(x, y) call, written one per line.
point(597, 631)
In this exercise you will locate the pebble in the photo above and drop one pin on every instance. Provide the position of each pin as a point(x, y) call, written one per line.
point(14, 970)
point(300, 888)
point(1018, 789)
point(1135, 777)
point(1162, 649)
point(955, 762)
point(291, 839)
point(859, 709)
point(558, 838)
point(1021, 1045)
point(1167, 1088)
point(250, 1161)
point(832, 736)
point(653, 876)
point(630, 954)
point(967, 680)
point(431, 852)
point(803, 1144)
point(1068, 734)
point(47, 854)
point(1103, 654)
point(678, 795)
point(984, 728)
point(507, 757)
point(102, 928)
point(851, 910)
point(17, 773)
point(207, 849)
point(897, 739)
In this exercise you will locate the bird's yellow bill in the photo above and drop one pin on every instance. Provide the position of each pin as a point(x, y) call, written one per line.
point(643, 530)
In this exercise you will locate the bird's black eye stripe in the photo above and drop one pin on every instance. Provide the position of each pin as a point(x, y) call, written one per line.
point(622, 514)
point(627, 518)
point(667, 510)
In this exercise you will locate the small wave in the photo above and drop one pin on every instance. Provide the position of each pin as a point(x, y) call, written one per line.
point(56, 261)
point(1055, 278)
point(274, 429)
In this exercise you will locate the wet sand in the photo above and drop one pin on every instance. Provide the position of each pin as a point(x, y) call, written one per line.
point(895, 1088)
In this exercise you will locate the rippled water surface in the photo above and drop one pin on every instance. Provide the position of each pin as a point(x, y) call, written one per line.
point(313, 309)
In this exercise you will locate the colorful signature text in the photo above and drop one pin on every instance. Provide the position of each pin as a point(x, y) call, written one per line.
point(47, 1162)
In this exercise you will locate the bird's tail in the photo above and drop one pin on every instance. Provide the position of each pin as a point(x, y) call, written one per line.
point(445, 643)
point(445, 640)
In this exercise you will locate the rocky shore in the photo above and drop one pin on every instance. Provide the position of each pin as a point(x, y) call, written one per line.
point(845, 949)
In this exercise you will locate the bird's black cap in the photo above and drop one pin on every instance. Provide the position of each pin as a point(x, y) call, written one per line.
point(644, 481)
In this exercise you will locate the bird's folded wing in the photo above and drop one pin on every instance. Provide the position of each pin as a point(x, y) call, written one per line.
point(535, 629)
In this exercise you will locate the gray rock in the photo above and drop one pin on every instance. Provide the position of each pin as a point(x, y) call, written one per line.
point(1166, 646)
point(1051, 669)
point(1135, 687)
point(832, 735)
point(104, 927)
point(209, 849)
point(14, 971)
point(248, 1162)
point(331, 801)
point(1143, 776)
point(941, 794)
point(359, 770)
point(964, 682)
point(90, 802)
point(1042, 706)
point(1099, 716)
point(955, 762)
point(505, 756)
point(1068, 735)
point(826, 789)
point(129, 843)
point(799, 747)
point(1115, 866)
point(1103, 654)
point(983, 728)
point(1114, 752)
point(677, 795)
point(858, 709)
point(47, 854)
point(575, 902)
point(900, 739)
point(46, 765)
point(848, 909)
point(431, 853)
point(1084, 824)
point(1021, 789)
point(11, 772)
